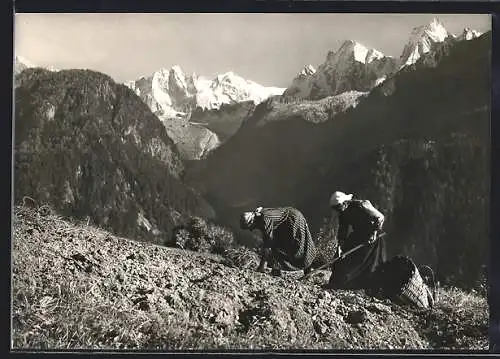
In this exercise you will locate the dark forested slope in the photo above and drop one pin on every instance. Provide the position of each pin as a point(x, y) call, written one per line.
point(90, 147)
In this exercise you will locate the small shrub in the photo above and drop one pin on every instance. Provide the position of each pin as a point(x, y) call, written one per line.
point(200, 236)
point(180, 236)
point(221, 239)
point(326, 243)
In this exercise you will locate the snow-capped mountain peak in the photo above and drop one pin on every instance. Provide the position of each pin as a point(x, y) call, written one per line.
point(348, 49)
point(302, 83)
point(177, 69)
point(469, 34)
point(170, 92)
point(353, 67)
point(306, 71)
point(372, 55)
point(229, 74)
point(22, 60)
point(359, 51)
point(435, 30)
point(179, 85)
point(21, 63)
point(351, 49)
point(228, 77)
point(421, 41)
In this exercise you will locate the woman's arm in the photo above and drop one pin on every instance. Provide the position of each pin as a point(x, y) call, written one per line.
point(376, 218)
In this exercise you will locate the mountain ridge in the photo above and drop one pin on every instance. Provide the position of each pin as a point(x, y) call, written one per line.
point(353, 67)
point(161, 92)
point(21, 64)
point(90, 147)
point(356, 67)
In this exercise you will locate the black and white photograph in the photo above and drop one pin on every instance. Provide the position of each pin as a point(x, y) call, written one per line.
point(251, 182)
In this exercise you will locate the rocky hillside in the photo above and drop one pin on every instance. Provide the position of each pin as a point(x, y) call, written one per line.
point(224, 121)
point(283, 108)
point(90, 147)
point(295, 161)
point(93, 290)
point(193, 140)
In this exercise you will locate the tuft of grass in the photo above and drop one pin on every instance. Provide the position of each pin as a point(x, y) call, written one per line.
point(459, 319)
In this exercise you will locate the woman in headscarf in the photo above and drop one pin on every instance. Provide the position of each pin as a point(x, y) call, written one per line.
point(287, 242)
point(364, 220)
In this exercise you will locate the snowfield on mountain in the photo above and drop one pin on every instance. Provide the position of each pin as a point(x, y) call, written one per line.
point(172, 92)
point(90, 289)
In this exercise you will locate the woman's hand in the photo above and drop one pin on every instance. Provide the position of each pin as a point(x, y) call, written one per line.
point(262, 266)
point(373, 238)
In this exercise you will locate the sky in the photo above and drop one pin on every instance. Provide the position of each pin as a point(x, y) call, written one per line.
point(269, 49)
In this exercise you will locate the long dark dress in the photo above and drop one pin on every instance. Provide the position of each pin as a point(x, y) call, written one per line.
point(355, 271)
point(286, 232)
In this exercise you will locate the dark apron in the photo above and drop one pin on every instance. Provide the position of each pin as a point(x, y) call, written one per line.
point(355, 271)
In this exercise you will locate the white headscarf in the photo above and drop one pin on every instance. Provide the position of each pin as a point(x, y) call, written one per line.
point(248, 218)
point(339, 198)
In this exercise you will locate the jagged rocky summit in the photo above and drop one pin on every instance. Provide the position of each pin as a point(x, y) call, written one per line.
point(172, 93)
point(353, 67)
point(356, 67)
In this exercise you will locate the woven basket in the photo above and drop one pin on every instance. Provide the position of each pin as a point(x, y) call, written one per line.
point(416, 292)
point(402, 281)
